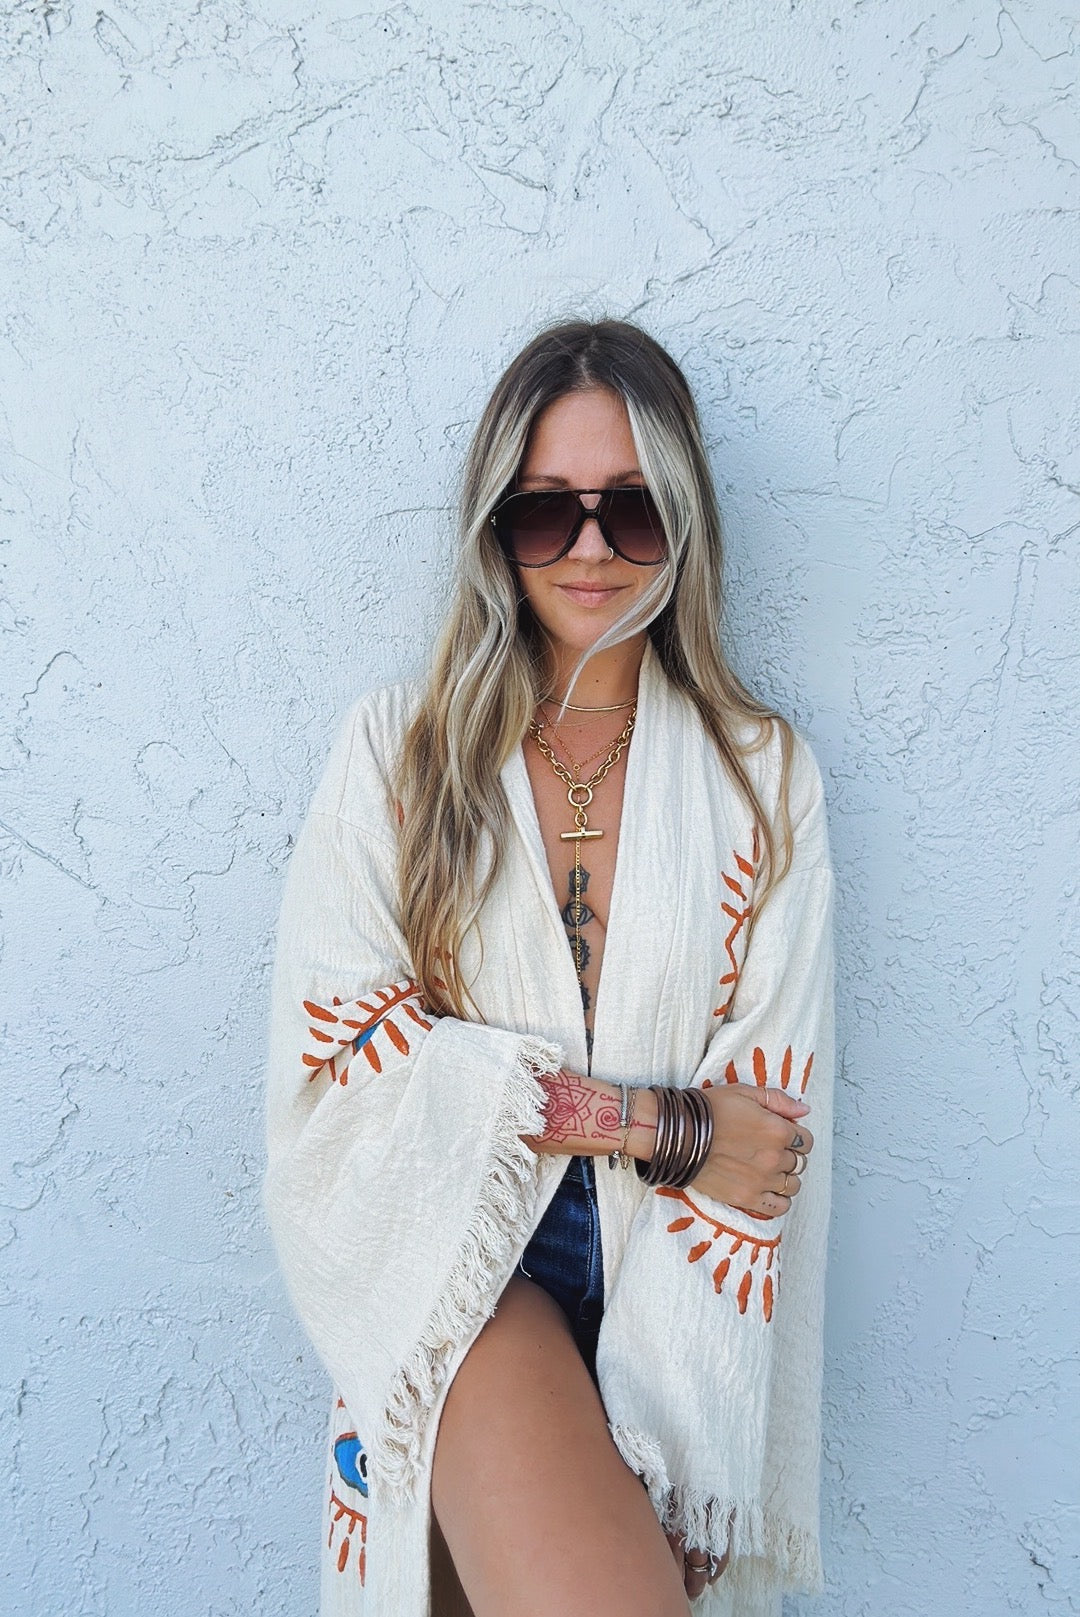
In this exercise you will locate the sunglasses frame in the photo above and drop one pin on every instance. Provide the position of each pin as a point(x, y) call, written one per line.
point(597, 513)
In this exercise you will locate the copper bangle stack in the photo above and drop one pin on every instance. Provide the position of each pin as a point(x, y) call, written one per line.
point(684, 1135)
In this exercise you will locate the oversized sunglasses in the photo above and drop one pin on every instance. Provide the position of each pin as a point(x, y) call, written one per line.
point(536, 529)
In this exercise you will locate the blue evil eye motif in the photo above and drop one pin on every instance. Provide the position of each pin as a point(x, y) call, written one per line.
point(368, 1034)
point(350, 1457)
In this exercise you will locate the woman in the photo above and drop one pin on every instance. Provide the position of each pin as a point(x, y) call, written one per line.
point(567, 900)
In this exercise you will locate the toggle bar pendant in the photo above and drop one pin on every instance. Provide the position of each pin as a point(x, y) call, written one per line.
point(581, 832)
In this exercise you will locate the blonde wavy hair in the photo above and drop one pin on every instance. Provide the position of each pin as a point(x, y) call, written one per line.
point(489, 665)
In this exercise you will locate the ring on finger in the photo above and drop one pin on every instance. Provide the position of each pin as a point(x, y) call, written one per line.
point(800, 1163)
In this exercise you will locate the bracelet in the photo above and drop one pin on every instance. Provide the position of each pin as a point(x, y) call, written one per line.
point(627, 1108)
point(661, 1158)
point(614, 1157)
point(652, 1172)
point(703, 1135)
point(684, 1136)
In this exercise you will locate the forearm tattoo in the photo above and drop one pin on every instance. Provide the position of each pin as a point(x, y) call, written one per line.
point(573, 1110)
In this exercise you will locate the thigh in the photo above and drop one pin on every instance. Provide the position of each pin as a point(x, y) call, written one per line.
point(537, 1507)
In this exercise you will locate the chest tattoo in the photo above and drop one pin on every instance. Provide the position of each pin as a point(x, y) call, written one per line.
point(576, 914)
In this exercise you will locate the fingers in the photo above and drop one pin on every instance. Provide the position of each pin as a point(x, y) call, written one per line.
point(695, 1575)
point(698, 1567)
point(699, 1570)
point(802, 1140)
point(791, 1163)
point(791, 1149)
point(778, 1100)
point(721, 1566)
point(760, 1149)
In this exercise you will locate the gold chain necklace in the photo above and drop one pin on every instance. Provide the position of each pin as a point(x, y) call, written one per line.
point(575, 765)
point(579, 796)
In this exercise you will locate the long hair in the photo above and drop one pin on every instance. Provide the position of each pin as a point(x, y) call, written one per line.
point(488, 667)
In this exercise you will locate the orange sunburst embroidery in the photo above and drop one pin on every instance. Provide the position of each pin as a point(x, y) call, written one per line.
point(351, 1027)
point(744, 1252)
point(349, 1474)
point(760, 1070)
point(737, 907)
point(341, 1512)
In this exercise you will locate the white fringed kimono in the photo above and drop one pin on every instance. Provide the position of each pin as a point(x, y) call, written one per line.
point(401, 1196)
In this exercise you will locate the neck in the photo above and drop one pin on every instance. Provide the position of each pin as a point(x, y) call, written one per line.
point(610, 676)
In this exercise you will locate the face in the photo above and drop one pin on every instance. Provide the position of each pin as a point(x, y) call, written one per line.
point(582, 440)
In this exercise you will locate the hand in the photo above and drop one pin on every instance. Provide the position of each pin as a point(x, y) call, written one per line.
point(694, 1565)
point(757, 1142)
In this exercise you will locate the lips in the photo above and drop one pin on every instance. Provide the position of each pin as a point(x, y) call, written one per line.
point(589, 594)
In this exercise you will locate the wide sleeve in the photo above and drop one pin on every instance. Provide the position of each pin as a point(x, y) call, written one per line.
point(722, 1415)
point(780, 999)
point(781, 1032)
point(398, 1190)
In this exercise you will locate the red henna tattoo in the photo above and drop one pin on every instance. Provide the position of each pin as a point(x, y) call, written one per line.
point(566, 1106)
point(607, 1117)
point(574, 1110)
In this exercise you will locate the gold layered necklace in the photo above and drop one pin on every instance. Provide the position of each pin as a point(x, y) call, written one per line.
point(579, 795)
point(606, 707)
point(576, 765)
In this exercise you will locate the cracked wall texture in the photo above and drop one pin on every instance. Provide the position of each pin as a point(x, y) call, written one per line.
point(261, 263)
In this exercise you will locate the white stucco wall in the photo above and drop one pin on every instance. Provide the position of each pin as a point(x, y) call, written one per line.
point(261, 263)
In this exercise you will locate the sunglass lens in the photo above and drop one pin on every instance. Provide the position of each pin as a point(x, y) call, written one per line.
point(635, 525)
point(533, 528)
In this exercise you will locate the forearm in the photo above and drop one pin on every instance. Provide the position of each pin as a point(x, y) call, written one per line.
point(582, 1118)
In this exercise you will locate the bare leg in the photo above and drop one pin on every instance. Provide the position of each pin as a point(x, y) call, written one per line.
point(447, 1595)
point(537, 1506)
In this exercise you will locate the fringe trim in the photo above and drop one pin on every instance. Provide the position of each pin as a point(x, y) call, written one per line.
point(642, 1454)
point(754, 1533)
point(470, 1293)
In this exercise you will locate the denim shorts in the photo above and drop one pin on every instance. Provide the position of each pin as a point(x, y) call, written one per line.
point(564, 1256)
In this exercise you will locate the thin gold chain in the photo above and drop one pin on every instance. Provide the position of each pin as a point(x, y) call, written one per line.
point(575, 765)
point(608, 764)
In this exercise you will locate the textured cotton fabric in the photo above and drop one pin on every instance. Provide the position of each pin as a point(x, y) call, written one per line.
point(401, 1195)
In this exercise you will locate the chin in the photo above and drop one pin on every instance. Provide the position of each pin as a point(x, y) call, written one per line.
point(574, 639)
point(579, 628)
